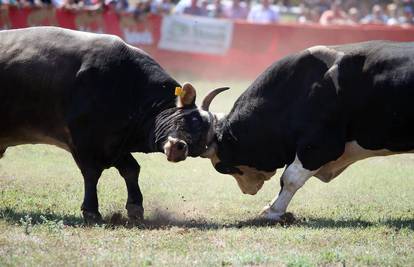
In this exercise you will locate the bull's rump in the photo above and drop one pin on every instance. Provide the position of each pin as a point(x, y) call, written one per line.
point(39, 77)
point(378, 94)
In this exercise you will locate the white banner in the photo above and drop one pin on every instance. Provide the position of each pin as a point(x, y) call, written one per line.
point(196, 34)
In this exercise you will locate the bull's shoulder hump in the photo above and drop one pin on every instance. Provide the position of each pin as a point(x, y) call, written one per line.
point(326, 54)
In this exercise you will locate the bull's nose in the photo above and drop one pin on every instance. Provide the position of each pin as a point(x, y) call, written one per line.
point(175, 149)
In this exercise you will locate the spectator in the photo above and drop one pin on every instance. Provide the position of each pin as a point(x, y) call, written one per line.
point(353, 16)
point(8, 2)
point(195, 9)
point(406, 3)
point(163, 7)
point(309, 15)
point(179, 7)
point(57, 3)
point(237, 10)
point(142, 8)
point(31, 3)
point(392, 14)
point(72, 4)
point(320, 5)
point(122, 6)
point(217, 9)
point(205, 8)
point(376, 17)
point(407, 17)
point(111, 5)
point(263, 13)
point(335, 15)
point(348, 4)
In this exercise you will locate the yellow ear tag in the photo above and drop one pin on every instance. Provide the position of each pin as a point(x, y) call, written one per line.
point(179, 91)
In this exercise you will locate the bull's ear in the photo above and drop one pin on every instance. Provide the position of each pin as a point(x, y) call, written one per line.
point(187, 96)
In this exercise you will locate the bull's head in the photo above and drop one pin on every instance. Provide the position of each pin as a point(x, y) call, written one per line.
point(228, 156)
point(186, 130)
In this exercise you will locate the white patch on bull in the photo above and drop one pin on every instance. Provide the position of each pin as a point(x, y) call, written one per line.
point(168, 145)
point(211, 122)
point(331, 59)
point(324, 53)
point(333, 74)
point(251, 181)
point(294, 177)
point(353, 152)
point(86, 34)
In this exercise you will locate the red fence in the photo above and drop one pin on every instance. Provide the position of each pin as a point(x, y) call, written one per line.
point(252, 49)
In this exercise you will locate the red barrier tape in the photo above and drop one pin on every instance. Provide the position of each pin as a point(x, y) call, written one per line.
point(253, 48)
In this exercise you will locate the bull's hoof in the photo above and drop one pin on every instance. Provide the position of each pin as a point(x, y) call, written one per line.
point(92, 218)
point(270, 214)
point(288, 218)
point(283, 218)
point(135, 212)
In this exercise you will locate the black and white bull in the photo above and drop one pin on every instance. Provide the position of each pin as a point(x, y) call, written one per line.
point(317, 112)
point(98, 98)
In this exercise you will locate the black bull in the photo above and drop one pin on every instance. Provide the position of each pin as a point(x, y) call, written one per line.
point(317, 112)
point(100, 99)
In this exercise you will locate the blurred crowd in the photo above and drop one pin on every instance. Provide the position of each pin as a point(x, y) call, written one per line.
point(325, 12)
point(352, 12)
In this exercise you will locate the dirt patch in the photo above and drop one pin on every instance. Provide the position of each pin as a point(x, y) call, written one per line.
point(164, 219)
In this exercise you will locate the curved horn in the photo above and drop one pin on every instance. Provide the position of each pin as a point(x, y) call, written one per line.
point(210, 96)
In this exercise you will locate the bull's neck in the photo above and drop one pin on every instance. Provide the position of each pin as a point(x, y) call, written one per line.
point(251, 137)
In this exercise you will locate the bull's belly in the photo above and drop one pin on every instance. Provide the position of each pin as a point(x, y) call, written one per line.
point(21, 137)
point(353, 152)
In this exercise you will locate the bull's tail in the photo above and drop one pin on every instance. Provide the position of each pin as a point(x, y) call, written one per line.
point(2, 150)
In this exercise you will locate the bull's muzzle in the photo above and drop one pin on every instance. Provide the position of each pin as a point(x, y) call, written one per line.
point(175, 149)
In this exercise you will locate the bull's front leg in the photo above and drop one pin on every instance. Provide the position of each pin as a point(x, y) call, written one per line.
point(129, 169)
point(293, 178)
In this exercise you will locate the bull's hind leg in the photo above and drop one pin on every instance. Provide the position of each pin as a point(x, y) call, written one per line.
point(293, 178)
point(90, 206)
point(129, 169)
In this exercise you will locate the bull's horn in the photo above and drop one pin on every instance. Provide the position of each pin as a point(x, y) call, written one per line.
point(210, 96)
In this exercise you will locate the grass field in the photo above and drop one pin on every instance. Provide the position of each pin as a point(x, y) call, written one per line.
point(195, 216)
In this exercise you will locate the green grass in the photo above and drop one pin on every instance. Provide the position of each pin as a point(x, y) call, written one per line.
point(195, 216)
